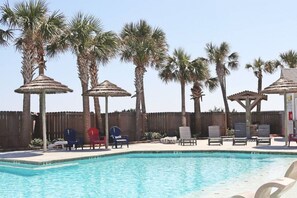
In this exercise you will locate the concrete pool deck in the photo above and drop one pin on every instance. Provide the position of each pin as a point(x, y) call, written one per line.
point(249, 183)
point(54, 155)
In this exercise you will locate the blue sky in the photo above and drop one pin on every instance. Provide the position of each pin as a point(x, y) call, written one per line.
point(252, 28)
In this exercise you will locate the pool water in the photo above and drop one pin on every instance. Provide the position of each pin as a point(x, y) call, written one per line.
point(133, 175)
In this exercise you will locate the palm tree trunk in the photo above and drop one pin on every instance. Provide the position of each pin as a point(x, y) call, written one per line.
point(227, 111)
point(86, 111)
point(94, 81)
point(183, 103)
point(41, 69)
point(197, 110)
point(97, 108)
point(83, 68)
point(26, 133)
point(138, 86)
point(143, 107)
point(197, 95)
point(259, 89)
point(27, 73)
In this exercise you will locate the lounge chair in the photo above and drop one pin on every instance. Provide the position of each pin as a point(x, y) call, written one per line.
point(263, 134)
point(168, 140)
point(239, 137)
point(118, 139)
point(95, 138)
point(57, 144)
point(186, 137)
point(274, 188)
point(72, 140)
point(292, 138)
point(292, 171)
point(214, 135)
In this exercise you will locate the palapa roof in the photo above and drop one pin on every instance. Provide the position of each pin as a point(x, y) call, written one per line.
point(281, 86)
point(107, 88)
point(289, 73)
point(247, 95)
point(43, 84)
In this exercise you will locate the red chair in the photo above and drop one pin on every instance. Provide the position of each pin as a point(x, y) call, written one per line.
point(293, 138)
point(95, 138)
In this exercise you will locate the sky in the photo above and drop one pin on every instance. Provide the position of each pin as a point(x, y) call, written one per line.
point(252, 28)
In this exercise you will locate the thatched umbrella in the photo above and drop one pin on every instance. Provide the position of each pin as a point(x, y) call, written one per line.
point(251, 100)
point(106, 89)
point(43, 85)
point(282, 86)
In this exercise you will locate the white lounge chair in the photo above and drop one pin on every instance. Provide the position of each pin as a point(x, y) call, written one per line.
point(57, 144)
point(292, 171)
point(186, 137)
point(169, 140)
point(274, 188)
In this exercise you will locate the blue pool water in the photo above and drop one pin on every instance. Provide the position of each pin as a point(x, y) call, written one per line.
point(131, 175)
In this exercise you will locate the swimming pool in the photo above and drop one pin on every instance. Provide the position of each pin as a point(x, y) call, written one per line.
point(134, 175)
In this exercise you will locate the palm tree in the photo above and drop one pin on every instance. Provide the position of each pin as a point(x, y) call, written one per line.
point(103, 47)
point(143, 46)
point(28, 18)
point(259, 66)
point(82, 30)
point(203, 80)
point(180, 68)
point(288, 59)
point(221, 57)
point(5, 36)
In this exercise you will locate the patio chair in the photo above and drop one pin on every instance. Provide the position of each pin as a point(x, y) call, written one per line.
point(263, 134)
point(185, 136)
point(95, 138)
point(214, 135)
point(292, 171)
point(292, 138)
point(168, 140)
point(274, 188)
point(118, 139)
point(72, 140)
point(239, 137)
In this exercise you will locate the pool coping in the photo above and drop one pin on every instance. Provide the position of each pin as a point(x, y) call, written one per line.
point(58, 156)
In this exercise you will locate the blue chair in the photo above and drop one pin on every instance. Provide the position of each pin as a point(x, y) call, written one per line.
point(118, 139)
point(73, 141)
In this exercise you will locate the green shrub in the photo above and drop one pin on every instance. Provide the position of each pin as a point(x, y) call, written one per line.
point(36, 142)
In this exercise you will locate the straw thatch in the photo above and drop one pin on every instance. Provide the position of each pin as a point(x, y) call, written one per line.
point(43, 84)
point(281, 86)
point(107, 88)
point(247, 95)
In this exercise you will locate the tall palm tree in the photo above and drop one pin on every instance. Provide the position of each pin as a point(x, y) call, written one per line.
point(103, 47)
point(223, 60)
point(29, 18)
point(203, 79)
point(259, 66)
point(82, 29)
point(143, 46)
point(288, 59)
point(180, 68)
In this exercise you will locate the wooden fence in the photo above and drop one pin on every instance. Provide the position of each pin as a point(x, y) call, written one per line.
point(56, 123)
